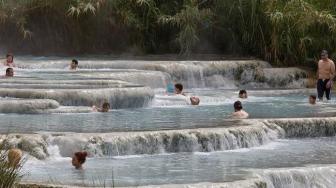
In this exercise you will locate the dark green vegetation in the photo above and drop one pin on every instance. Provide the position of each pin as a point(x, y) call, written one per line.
point(284, 32)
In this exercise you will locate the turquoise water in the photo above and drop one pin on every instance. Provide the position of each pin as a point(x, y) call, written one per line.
point(176, 116)
point(182, 168)
point(48, 111)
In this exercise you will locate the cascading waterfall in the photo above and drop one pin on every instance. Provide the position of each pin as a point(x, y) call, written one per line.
point(254, 133)
point(119, 97)
point(224, 74)
point(305, 177)
point(27, 106)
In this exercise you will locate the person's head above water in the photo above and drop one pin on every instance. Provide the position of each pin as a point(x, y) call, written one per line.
point(14, 157)
point(237, 106)
point(324, 54)
point(105, 107)
point(9, 72)
point(9, 58)
point(195, 100)
point(78, 159)
point(312, 99)
point(74, 64)
point(178, 88)
point(243, 94)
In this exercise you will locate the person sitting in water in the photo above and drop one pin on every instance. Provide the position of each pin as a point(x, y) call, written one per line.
point(105, 108)
point(9, 62)
point(179, 89)
point(170, 88)
point(9, 72)
point(312, 99)
point(238, 111)
point(243, 94)
point(78, 159)
point(74, 64)
point(195, 100)
point(14, 157)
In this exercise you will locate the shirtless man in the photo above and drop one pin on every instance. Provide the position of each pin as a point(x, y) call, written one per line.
point(325, 75)
point(239, 113)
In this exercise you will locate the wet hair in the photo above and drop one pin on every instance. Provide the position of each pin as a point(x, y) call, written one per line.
point(8, 69)
point(324, 52)
point(243, 91)
point(238, 105)
point(193, 102)
point(313, 97)
point(106, 105)
point(81, 156)
point(179, 86)
point(75, 61)
point(9, 55)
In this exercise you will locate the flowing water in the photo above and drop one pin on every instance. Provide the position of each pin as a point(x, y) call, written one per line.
point(150, 138)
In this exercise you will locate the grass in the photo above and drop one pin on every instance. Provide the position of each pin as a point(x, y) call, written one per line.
point(9, 176)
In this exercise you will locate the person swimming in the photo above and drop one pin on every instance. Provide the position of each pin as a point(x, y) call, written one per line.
point(194, 100)
point(14, 157)
point(9, 62)
point(312, 99)
point(78, 159)
point(179, 89)
point(9, 72)
point(74, 64)
point(239, 113)
point(170, 89)
point(242, 94)
point(105, 108)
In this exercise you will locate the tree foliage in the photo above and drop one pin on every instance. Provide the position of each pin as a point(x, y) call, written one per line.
point(284, 32)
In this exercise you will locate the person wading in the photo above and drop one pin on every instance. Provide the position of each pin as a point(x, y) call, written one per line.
point(325, 74)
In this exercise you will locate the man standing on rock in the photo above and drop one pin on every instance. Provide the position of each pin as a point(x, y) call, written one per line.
point(325, 74)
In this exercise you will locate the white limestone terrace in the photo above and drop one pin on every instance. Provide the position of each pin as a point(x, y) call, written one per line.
point(27, 105)
point(241, 134)
point(193, 74)
point(74, 92)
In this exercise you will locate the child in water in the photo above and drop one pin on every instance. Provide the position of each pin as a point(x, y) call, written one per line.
point(78, 159)
point(105, 108)
point(312, 99)
point(239, 113)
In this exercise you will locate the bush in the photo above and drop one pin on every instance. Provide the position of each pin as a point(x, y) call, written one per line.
point(9, 176)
